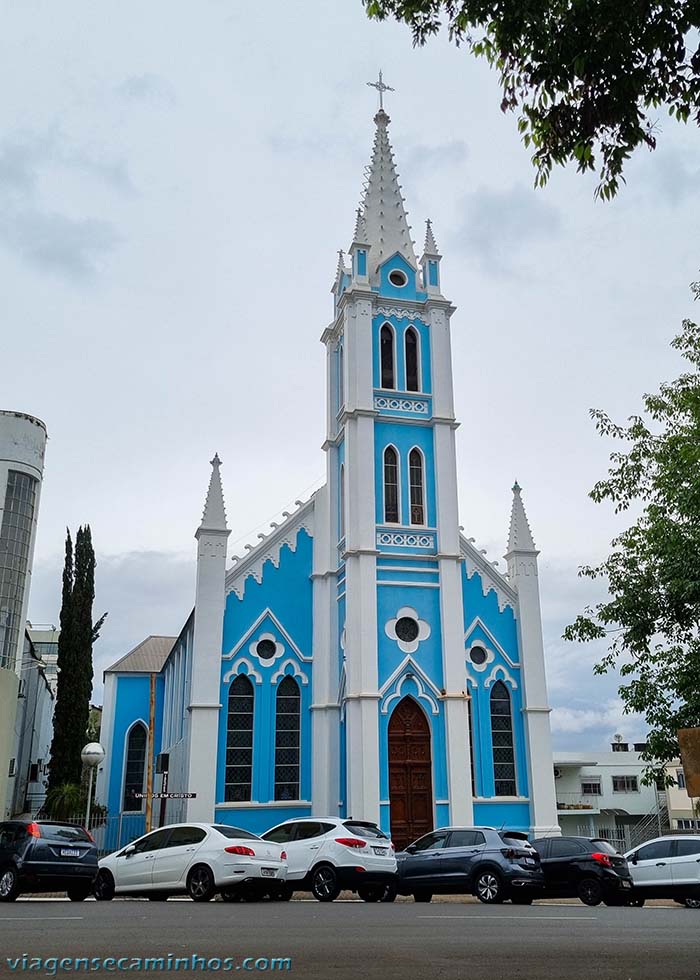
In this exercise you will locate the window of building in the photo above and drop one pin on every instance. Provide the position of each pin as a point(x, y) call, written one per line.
point(398, 278)
point(287, 740)
point(591, 787)
point(341, 505)
point(685, 824)
point(470, 713)
point(341, 377)
point(640, 746)
point(135, 770)
point(412, 368)
point(386, 355)
point(15, 538)
point(502, 736)
point(680, 778)
point(238, 780)
point(620, 747)
point(625, 784)
point(33, 772)
point(391, 486)
point(415, 467)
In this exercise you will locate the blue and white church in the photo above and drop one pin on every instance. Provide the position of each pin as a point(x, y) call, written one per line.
point(364, 659)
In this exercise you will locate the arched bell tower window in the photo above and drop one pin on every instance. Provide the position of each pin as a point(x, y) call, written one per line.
point(135, 769)
point(386, 356)
point(416, 482)
point(287, 740)
point(502, 738)
point(391, 486)
point(411, 345)
point(239, 741)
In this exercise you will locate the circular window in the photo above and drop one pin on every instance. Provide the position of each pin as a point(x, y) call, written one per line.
point(477, 655)
point(407, 629)
point(398, 278)
point(266, 649)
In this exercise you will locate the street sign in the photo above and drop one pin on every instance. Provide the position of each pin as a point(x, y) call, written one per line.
point(166, 796)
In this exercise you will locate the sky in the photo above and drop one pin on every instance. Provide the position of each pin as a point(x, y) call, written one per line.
point(175, 182)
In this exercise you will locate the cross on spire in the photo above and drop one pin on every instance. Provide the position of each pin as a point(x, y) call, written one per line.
point(381, 88)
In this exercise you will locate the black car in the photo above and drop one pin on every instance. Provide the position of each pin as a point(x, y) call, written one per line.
point(46, 857)
point(491, 864)
point(586, 868)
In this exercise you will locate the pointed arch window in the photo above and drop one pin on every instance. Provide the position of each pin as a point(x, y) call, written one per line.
point(502, 739)
point(341, 377)
point(411, 345)
point(341, 505)
point(391, 486)
point(287, 740)
point(135, 769)
point(239, 741)
point(416, 482)
point(386, 356)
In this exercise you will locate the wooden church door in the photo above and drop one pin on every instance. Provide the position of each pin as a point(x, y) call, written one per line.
point(410, 774)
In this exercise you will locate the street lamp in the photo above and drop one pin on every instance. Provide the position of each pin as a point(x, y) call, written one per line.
point(92, 755)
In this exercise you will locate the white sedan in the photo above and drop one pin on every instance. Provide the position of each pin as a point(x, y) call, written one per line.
point(197, 859)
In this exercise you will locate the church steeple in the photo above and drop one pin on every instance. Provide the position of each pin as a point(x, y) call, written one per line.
point(520, 540)
point(214, 516)
point(430, 262)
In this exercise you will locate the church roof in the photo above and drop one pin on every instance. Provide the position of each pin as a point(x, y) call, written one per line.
point(385, 222)
point(147, 657)
point(520, 536)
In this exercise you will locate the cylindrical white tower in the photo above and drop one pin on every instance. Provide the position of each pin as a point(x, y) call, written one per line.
point(22, 446)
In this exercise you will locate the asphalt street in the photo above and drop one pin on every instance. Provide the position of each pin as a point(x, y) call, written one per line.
point(403, 941)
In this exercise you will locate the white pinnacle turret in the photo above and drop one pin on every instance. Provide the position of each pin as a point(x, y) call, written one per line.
point(519, 536)
point(214, 517)
point(385, 219)
point(430, 248)
point(360, 236)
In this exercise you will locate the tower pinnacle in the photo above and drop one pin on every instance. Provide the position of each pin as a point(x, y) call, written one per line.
point(214, 516)
point(519, 536)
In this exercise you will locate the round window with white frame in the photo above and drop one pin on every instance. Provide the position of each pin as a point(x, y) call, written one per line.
point(480, 656)
point(266, 648)
point(398, 278)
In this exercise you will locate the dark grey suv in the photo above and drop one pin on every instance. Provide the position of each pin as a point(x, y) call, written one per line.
point(45, 856)
point(491, 864)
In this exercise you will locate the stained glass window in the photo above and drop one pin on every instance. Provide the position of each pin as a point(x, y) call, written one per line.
point(415, 466)
point(386, 355)
point(287, 740)
point(411, 343)
point(135, 770)
point(239, 741)
point(502, 738)
point(391, 486)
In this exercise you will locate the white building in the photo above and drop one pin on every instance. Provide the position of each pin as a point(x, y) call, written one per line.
point(683, 813)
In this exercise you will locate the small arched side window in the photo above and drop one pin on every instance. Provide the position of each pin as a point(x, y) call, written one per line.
point(412, 347)
point(416, 483)
point(391, 486)
point(341, 377)
point(341, 504)
point(386, 357)
point(287, 740)
point(239, 741)
point(135, 769)
point(502, 740)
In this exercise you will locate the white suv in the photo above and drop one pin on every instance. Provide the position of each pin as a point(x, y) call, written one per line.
point(667, 867)
point(327, 854)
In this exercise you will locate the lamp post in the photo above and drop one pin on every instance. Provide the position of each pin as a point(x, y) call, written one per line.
point(92, 755)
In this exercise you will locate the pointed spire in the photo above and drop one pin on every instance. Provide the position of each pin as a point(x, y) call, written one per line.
point(360, 236)
point(214, 517)
point(430, 248)
point(385, 218)
point(520, 536)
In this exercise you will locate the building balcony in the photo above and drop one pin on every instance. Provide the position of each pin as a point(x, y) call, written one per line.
point(579, 802)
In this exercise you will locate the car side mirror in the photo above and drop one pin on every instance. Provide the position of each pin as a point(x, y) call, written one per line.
point(411, 849)
point(128, 851)
point(633, 858)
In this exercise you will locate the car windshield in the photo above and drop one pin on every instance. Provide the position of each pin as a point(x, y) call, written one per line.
point(367, 830)
point(604, 846)
point(68, 831)
point(234, 832)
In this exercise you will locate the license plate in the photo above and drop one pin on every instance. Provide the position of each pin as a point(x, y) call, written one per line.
point(267, 872)
point(382, 851)
point(625, 884)
point(70, 852)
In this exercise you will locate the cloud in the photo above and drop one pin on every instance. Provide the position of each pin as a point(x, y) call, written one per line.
point(55, 243)
point(673, 179)
point(497, 223)
point(421, 159)
point(147, 87)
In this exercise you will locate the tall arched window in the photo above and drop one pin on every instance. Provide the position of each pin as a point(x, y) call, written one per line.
point(502, 735)
point(239, 741)
point(386, 356)
point(391, 486)
point(472, 756)
point(135, 769)
point(287, 740)
point(415, 473)
point(411, 349)
point(341, 377)
point(341, 505)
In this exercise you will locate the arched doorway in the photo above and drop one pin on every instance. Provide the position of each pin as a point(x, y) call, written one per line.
point(410, 773)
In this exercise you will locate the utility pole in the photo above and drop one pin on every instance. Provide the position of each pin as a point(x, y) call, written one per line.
point(151, 744)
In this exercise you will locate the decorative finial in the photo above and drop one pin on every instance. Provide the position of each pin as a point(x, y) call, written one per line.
point(381, 88)
point(516, 487)
point(215, 461)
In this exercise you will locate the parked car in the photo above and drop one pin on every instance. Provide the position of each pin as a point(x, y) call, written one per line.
point(667, 867)
point(584, 867)
point(328, 854)
point(46, 856)
point(491, 864)
point(196, 859)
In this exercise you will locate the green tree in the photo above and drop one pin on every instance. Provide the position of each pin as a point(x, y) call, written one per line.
point(585, 76)
point(651, 617)
point(75, 672)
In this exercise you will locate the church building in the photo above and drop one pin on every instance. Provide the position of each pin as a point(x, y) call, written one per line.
point(364, 659)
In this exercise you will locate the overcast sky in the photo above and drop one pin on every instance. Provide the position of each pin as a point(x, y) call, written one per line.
point(175, 180)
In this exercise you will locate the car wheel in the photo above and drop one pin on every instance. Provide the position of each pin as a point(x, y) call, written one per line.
point(78, 893)
point(518, 899)
point(488, 887)
point(324, 883)
point(200, 884)
point(390, 893)
point(158, 897)
point(692, 903)
point(422, 896)
point(371, 893)
point(9, 885)
point(104, 886)
point(589, 891)
point(231, 895)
